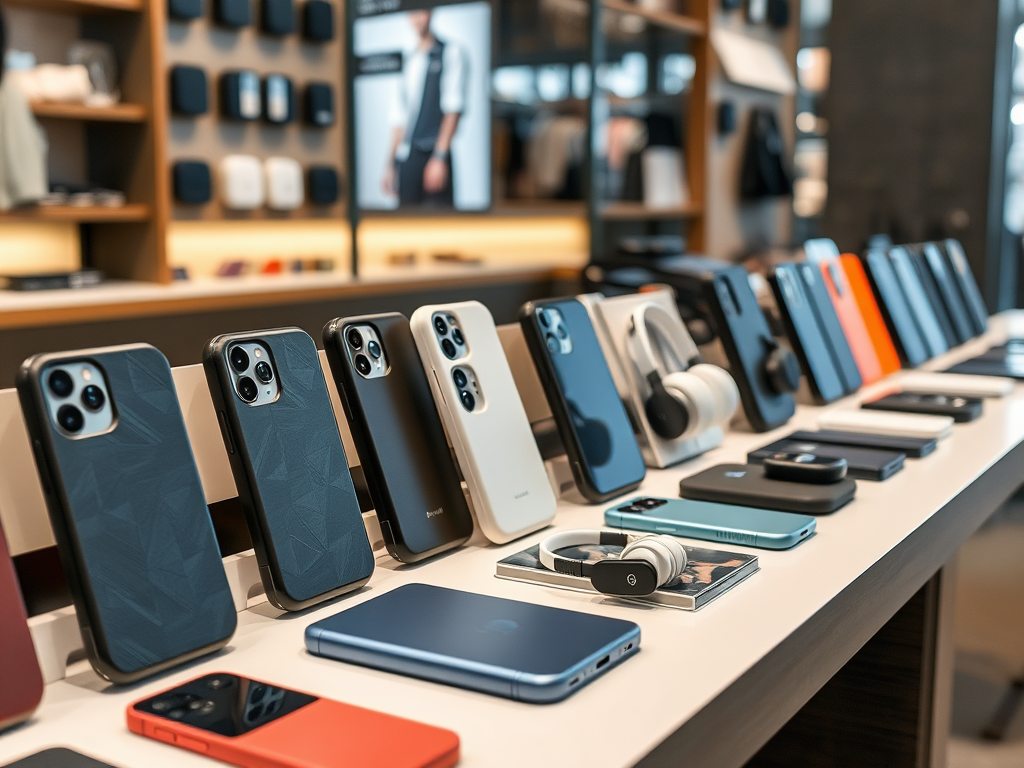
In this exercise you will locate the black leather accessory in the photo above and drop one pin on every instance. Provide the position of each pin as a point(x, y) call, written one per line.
point(324, 186)
point(765, 171)
point(193, 184)
point(804, 467)
point(778, 13)
point(278, 99)
point(233, 13)
point(240, 95)
point(781, 367)
point(745, 485)
point(189, 92)
point(185, 9)
point(861, 463)
point(914, 447)
point(318, 21)
point(320, 105)
point(962, 409)
point(278, 17)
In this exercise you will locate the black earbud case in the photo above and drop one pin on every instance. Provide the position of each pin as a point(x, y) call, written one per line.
point(318, 21)
point(192, 182)
point(233, 13)
point(320, 105)
point(240, 97)
point(324, 185)
point(189, 90)
point(278, 17)
point(185, 9)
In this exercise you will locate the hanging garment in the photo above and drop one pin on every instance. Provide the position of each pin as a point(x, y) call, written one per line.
point(765, 172)
point(23, 149)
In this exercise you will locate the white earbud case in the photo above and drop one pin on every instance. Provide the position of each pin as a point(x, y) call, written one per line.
point(241, 182)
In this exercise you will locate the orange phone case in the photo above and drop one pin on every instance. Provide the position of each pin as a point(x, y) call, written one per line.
point(850, 319)
point(323, 734)
point(885, 350)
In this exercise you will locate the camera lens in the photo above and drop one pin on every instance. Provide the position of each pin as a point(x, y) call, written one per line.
point(374, 349)
point(355, 339)
point(239, 359)
point(449, 348)
point(218, 682)
point(459, 377)
point(468, 401)
point(247, 389)
point(551, 342)
point(93, 397)
point(363, 365)
point(61, 384)
point(440, 325)
point(70, 419)
point(457, 337)
point(544, 319)
point(177, 714)
point(562, 333)
point(264, 372)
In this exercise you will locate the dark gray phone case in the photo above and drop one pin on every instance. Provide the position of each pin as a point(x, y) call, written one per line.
point(893, 303)
point(745, 485)
point(409, 469)
point(130, 519)
point(292, 474)
point(58, 757)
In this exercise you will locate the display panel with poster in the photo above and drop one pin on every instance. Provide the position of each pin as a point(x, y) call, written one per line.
point(422, 104)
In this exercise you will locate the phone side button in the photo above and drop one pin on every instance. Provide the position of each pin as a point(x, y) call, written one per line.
point(385, 530)
point(228, 443)
point(194, 744)
point(164, 735)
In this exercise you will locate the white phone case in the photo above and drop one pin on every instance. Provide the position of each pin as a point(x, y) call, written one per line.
point(494, 444)
point(955, 384)
point(894, 424)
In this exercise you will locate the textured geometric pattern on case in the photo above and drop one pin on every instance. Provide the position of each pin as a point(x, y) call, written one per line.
point(309, 502)
point(142, 525)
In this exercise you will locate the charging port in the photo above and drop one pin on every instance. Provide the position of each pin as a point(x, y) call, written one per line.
point(603, 661)
point(803, 533)
point(574, 681)
point(628, 647)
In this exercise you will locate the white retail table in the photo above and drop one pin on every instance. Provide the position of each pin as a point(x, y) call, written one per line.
point(842, 642)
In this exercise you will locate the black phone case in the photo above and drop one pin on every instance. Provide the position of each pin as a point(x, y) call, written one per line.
point(913, 447)
point(805, 335)
point(131, 522)
point(861, 463)
point(828, 321)
point(964, 277)
point(58, 757)
point(745, 485)
point(895, 309)
point(292, 474)
point(921, 309)
point(948, 292)
point(726, 296)
point(904, 402)
point(924, 274)
point(592, 422)
point(409, 469)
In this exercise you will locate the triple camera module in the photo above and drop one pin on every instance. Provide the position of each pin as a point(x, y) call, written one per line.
point(365, 351)
point(556, 335)
point(77, 399)
point(449, 336)
point(253, 373)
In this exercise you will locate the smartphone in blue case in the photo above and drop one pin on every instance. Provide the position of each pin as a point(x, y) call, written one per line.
point(747, 526)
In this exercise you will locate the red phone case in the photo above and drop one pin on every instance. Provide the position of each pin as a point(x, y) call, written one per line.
point(885, 350)
point(21, 682)
point(324, 734)
point(851, 320)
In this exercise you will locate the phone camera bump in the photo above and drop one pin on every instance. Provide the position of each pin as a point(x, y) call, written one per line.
point(457, 337)
point(239, 359)
point(459, 377)
point(61, 383)
point(552, 343)
point(70, 419)
point(468, 401)
point(449, 348)
point(93, 398)
point(440, 326)
point(355, 339)
point(562, 333)
point(363, 365)
point(544, 319)
point(373, 348)
point(264, 372)
point(247, 389)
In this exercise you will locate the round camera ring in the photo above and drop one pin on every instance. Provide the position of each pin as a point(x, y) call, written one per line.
point(459, 377)
point(93, 398)
point(264, 372)
point(355, 339)
point(373, 347)
point(440, 325)
point(239, 359)
point(61, 383)
point(70, 419)
point(247, 389)
point(363, 365)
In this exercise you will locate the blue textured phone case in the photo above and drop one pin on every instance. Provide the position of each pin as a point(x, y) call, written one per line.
point(131, 521)
point(293, 476)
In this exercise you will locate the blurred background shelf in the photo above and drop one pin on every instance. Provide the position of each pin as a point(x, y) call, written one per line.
point(118, 113)
point(78, 6)
point(674, 21)
point(79, 214)
point(640, 212)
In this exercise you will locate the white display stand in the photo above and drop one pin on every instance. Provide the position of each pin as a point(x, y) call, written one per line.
point(708, 689)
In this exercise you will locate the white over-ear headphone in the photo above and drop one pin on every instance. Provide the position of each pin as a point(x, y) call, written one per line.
point(686, 403)
point(645, 563)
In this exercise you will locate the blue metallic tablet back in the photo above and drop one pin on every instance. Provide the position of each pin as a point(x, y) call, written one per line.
point(503, 647)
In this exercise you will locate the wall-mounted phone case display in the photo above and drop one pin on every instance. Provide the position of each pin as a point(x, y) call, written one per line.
point(275, 74)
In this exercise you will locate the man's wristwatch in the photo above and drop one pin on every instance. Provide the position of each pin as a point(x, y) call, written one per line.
point(440, 154)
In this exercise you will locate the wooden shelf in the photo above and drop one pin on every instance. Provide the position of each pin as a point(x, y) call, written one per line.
point(118, 113)
point(673, 21)
point(639, 212)
point(81, 215)
point(78, 6)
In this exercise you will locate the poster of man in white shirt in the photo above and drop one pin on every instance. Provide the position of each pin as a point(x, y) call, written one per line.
point(422, 112)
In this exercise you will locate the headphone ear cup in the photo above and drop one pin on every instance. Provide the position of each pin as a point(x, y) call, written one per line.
point(654, 552)
point(679, 554)
point(668, 416)
point(698, 397)
point(723, 387)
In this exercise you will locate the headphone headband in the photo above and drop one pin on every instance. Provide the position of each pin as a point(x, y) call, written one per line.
point(573, 567)
point(671, 330)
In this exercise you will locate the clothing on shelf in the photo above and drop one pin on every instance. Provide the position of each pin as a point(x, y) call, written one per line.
point(23, 149)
